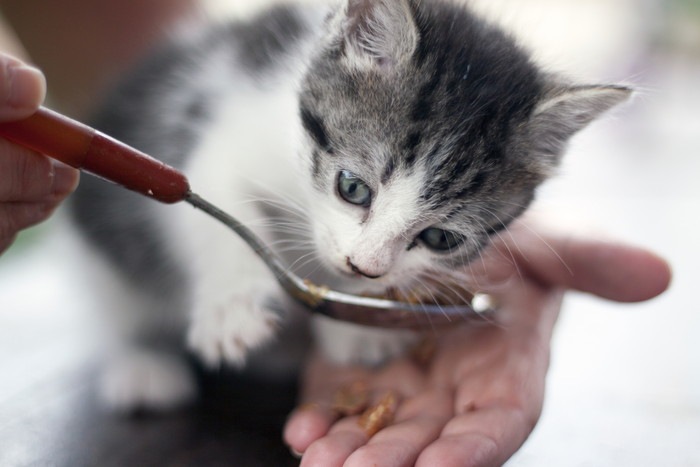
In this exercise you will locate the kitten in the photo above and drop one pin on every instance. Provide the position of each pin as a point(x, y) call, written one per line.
point(371, 142)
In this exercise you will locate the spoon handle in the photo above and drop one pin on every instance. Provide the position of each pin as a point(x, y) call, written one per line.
point(85, 148)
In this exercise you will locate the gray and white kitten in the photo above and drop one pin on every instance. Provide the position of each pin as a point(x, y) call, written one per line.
point(373, 142)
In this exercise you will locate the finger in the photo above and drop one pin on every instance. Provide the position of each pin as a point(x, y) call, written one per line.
point(605, 268)
point(344, 438)
point(332, 450)
point(22, 89)
point(610, 270)
point(28, 176)
point(17, 216)
point(307, 424)
point(419, 421)
point(316, 416)
point(486, 437)
point(619, 272)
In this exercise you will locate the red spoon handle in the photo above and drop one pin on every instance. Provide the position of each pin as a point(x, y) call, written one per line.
point(85, 148)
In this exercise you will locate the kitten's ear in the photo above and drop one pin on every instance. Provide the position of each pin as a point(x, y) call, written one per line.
point(378, 33)
point(566, 111)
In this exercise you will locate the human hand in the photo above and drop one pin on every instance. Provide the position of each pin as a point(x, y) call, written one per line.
point(481, 395)
point(31, 185)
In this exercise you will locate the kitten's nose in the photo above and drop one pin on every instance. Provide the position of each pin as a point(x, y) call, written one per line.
point(359, 271)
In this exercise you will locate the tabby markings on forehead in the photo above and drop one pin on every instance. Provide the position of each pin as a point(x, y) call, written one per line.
point(316, 162)
point(412, 141)
point(436, 191)
point(410, 147)
point(314, 125)
point(388, 171)
point(423, 106)
point(405, 160)
point(472, 187)
point(453, 182)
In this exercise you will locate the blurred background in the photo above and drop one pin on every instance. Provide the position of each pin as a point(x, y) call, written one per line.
point(624, 386)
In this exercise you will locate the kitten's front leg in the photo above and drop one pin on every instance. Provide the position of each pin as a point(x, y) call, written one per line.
point(232, 290)
point(231, 318)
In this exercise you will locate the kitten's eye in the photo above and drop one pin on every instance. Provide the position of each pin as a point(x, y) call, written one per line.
point(440, 240)
point(353, 190)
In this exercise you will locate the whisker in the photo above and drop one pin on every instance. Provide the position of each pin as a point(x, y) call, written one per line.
point(303, 260)
point(550, 248)
point(409, 290)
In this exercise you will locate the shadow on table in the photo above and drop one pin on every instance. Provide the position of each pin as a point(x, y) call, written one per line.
point(238, 422)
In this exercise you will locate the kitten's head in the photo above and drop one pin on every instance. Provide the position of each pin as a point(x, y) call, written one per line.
point(428, 131)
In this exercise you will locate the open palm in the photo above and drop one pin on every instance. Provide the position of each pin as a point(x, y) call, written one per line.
point(481, 394)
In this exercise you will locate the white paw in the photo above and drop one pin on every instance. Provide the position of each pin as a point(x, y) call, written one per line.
point(226, 331)
point(146, 380)
point(345, 343)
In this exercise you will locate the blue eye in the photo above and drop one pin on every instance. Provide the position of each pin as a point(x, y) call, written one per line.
point(440, 240)
point(353, 190)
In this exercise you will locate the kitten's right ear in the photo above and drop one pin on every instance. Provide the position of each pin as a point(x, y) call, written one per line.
point(377, 33)
point(565, 111)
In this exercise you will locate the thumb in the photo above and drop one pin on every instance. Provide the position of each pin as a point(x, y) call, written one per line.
point(606, 268)
point(22, 88)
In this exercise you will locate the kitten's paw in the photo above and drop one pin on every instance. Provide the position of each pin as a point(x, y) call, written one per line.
point(147, 380)
point(227, 331)
point(345, 343)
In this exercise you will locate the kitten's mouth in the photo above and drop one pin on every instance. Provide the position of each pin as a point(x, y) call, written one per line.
point(359, 283)
point(358, 276)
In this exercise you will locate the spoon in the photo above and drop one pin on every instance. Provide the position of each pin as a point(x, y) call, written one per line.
point(85, 148)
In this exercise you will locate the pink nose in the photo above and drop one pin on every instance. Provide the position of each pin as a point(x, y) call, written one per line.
point(359, 271)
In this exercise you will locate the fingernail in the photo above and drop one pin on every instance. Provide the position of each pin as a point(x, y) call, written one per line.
point(26, 86)
point(65, 179)
point(296, 453)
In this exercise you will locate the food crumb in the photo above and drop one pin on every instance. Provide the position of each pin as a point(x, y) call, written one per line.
point(379, 416)
point(351, 399)
point(317, 293)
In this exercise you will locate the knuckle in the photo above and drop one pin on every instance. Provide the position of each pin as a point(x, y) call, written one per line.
point(15, 217)
point(35, 177)
point(318, 455)
point(365, 456)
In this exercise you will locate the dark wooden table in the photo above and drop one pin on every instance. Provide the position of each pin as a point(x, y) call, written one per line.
point(57, 421)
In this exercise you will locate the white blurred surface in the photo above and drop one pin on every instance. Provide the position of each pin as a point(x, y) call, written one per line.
point(624, 387)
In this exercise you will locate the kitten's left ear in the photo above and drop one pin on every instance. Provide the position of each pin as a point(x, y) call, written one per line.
point(565, 111)
point(378, 33)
